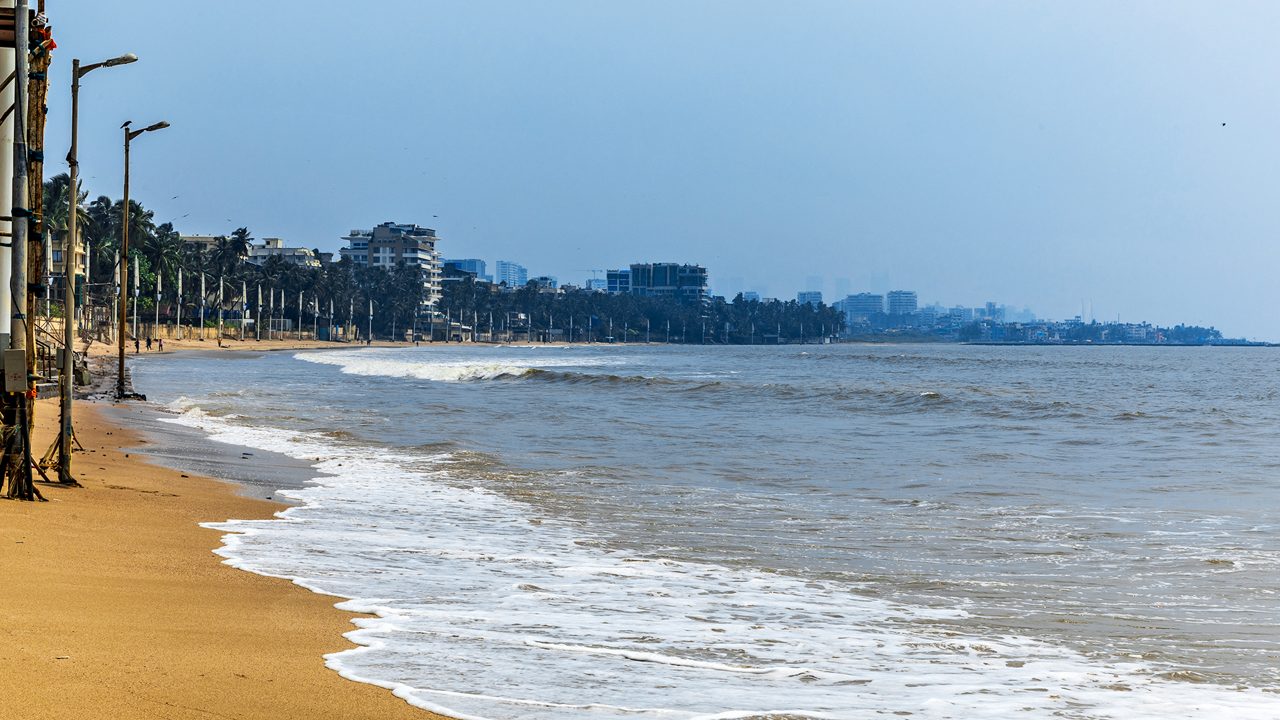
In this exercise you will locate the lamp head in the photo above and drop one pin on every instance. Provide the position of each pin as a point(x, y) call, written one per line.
point(122, 60)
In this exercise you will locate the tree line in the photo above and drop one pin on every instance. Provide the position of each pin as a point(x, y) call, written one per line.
point(160, 252)
point(581, 315)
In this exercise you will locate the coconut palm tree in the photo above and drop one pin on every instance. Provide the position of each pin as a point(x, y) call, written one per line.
point(163, 251)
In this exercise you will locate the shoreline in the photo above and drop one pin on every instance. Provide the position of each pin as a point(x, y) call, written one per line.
point(122, 609)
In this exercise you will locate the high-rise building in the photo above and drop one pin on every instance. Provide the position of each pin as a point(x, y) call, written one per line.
point(902, 302)
point(391, 244)
point(750, 296)
point(813, 297)
point(686, 283)
point(514, 275)
point(472, 265)
point(618, 282)
point(863, 305)
point(597, 285)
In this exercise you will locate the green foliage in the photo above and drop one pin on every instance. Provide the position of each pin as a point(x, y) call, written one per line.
point(592, 314)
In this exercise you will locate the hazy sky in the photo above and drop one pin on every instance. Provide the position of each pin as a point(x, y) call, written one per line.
point(1036, 154)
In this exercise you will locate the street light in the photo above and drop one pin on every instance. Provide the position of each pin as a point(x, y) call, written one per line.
point(129, 135)
point(68, 267)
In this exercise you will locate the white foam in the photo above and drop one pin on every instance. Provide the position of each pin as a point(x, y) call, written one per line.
point(406, 363)
point(484, 614)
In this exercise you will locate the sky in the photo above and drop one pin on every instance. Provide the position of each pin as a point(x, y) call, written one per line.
point(1119, 157)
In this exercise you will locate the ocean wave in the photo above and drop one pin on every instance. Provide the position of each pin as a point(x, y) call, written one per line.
point(476, 592)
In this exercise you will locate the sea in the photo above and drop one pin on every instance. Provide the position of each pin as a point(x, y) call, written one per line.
point(805, 531)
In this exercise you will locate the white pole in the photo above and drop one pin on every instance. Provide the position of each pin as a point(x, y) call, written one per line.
point(48, 271)
point(84, 308)
point(299, 314)
point(179, 326)
point(221, 283)
point(202, 301)
point(257, 326)
point(155, 331)
point(135, 296)
point(8, 60)
point(115, 296)
point(244, 306)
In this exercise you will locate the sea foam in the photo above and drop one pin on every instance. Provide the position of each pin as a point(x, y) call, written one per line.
point(487, 608)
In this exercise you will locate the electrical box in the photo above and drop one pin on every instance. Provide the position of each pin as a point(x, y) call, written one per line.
point(15, 371)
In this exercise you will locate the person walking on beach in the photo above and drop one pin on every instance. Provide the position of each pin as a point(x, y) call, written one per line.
point(148, 344)
point(160, 343)
point(137, 348)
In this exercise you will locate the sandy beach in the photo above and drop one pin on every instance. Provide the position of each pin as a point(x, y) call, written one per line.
point(113, 605)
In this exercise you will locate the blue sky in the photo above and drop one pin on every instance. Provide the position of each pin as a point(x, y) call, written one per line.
point(1036, 154)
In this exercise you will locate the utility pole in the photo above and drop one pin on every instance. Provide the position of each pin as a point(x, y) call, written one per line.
point(68, 267)
point(129, 135)
point(17, 465)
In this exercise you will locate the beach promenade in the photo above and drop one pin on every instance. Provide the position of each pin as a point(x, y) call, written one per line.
point(113, 605)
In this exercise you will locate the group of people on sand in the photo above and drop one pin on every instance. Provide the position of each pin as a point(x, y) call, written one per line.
point(137, 345)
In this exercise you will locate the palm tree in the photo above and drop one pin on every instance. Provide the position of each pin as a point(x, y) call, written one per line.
point(163, 251)
point(230, 251)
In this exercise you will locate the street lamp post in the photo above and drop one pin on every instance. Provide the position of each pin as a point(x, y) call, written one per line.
point(68, 256)
point(129, 136)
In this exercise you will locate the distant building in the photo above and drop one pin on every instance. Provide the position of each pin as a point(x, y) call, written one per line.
point(686, 283)
point(813, 297)
point(55, 250)
point(545, 282)
point(902, 302)
point(472, 265)
point(390, 244)
point(451, 273)
point(303, 257)
point(201, 243)
point(618, 282)
point(597, 285)
point(751, 296)
point(513, 274)
point(863, 305)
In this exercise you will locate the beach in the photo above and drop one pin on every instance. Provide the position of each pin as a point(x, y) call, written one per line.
point(113, 604)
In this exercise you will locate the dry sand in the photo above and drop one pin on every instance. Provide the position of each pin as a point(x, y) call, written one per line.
point(112, 604)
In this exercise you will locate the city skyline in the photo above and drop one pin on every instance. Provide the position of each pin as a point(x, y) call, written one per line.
point(976, 151)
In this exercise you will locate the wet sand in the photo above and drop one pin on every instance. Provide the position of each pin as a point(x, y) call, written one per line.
point(112, 604)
